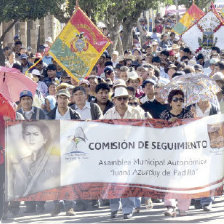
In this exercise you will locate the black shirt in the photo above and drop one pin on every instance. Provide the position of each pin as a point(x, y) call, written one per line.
point(155, 108)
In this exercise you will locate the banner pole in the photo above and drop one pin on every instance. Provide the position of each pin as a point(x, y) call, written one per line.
point(77, 3)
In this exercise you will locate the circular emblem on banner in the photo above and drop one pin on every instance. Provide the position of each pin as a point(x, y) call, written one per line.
point(79, 43)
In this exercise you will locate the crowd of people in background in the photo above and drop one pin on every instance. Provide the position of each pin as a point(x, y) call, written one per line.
point(119, 87)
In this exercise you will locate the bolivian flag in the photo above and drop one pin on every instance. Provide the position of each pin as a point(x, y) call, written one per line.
point(79, 46)
point(193, 14)
point(222, 12)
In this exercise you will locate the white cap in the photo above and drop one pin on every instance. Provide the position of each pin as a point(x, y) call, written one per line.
point(46, 45)
point(49, 39)
point(120, 91)
point(36, 72)
point(115, 52)
point(155, 43)
point(133, 75)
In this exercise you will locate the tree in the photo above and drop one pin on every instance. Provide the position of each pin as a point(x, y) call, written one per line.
point(14, 10)
point(200, 3)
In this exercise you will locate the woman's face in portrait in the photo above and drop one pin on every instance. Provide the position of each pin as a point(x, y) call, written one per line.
point(34, 138)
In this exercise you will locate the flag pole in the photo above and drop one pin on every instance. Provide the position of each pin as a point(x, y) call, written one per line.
point(77, 4)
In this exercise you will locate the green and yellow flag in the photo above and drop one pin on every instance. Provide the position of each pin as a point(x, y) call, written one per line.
point(79, 46)
point(193, 14)
point(222, 12)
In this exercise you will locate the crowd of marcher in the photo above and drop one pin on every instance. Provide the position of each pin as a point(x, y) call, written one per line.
point(119, 87)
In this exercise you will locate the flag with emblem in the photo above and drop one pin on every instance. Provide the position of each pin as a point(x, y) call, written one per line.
point(192, 15)
point(79, 46)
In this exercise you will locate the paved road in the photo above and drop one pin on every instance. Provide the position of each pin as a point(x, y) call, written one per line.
point(102, 215)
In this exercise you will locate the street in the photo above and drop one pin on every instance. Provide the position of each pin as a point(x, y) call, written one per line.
point(102, 215)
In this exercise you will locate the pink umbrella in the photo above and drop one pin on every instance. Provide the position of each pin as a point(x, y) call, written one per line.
point(6, 108)
point(12, 82)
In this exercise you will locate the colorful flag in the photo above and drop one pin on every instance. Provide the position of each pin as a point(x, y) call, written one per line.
point(79, 46)
point(193, 14)
point(222, 12)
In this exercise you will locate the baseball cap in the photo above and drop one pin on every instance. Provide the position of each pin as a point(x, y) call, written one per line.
point(49, 39)
point(36, 72)
point(84, 81)
point(51, 67)
point(23, 56)
point(25, 93)
point(108, 69)
point(63, 92)
point(154, 43)
point(148, 81)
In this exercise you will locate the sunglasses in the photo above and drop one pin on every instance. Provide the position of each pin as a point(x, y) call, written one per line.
point(176, 99)
point(133, 104)
point(125, 98)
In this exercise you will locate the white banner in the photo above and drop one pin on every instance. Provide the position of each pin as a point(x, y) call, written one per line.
point(185, 159)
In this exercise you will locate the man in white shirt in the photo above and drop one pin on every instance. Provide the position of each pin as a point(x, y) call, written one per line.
point(122, 110)
point(114, 58)
point(63, 111)
point(87, 110)
point(148, 88)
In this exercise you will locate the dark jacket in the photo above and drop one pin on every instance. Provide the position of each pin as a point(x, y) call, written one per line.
point(37, 115)
point(109, 105)
point(155, 108)
point(74, 115)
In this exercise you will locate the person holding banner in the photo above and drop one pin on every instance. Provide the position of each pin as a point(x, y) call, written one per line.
point(38, 168)
point(176, 111)
point(203, 109)
point(102, 97)
point(63, 112)
point(5, 206)
point(87, 110)
point(30, 112)
point(2, 165)
point(122, 110)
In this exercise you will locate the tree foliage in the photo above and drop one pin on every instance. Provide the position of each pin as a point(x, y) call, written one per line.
point(113, 13)
point(200, 3)
point(13, 10)
point(26, 9)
